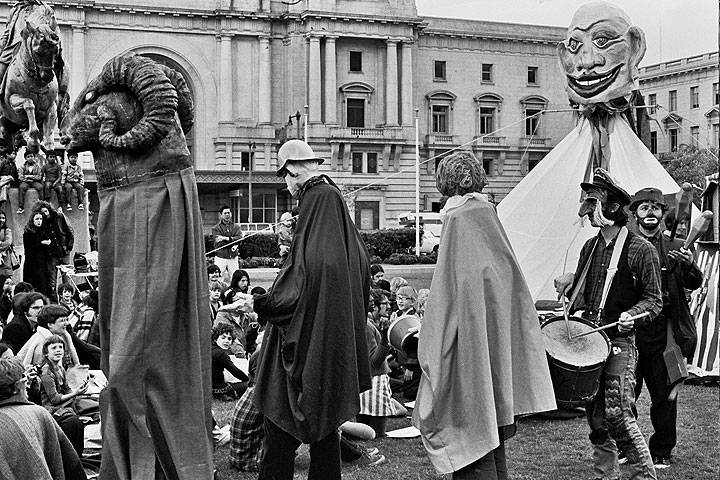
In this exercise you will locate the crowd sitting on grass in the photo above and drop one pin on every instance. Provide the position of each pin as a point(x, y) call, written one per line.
point(390, 386)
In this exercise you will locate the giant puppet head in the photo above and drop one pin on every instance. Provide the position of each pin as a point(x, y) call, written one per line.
point(601, 53)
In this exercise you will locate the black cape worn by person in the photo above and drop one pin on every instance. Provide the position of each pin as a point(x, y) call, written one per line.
point(314, 362)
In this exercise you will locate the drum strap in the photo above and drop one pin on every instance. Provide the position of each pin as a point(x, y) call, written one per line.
point(612, 268)
point(580, 285)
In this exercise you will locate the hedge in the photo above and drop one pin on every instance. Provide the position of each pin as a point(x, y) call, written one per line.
point(393, 246)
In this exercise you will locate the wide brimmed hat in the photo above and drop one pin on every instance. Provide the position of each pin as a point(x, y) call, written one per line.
point(602, 179)
point(647, 195)
point(295, 151)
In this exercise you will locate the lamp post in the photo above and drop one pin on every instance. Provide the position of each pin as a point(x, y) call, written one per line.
point(297, 123)
point(307, 114)
point(251, 154)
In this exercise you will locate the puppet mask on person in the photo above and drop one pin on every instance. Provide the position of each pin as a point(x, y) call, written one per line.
point(601, 53)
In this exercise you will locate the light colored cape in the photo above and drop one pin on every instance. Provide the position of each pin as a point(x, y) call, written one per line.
point(481, 351)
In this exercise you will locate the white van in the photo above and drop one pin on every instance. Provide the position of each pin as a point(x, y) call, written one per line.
point(431, 227)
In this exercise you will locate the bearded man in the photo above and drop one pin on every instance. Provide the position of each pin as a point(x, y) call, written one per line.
point(633, 289)
point(678, 272)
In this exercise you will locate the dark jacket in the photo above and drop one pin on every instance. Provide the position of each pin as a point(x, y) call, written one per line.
point(314, 360)
point(17, 332)
point(8, 168)
point(231, 230)
point(38, 267)
point(221, 361)
point(675, 279)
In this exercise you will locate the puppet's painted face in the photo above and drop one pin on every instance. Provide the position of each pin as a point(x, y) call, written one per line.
point(601, 53)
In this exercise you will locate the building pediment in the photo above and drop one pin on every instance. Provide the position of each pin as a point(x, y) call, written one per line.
point(357, 87)
point(488, 97)
point(534, 100)
point(441, 95)
point(712, 113)
point(672, 119)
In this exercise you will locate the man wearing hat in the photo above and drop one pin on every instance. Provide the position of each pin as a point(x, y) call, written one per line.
point(314, 361)
point(678, 272)
point(633, 289)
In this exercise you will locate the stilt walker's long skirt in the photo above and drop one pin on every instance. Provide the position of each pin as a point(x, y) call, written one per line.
point(155, 333)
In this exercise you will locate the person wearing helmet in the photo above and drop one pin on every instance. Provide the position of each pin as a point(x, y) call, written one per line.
point(307, 386)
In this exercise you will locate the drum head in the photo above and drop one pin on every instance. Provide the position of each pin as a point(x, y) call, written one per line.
point(584, 351)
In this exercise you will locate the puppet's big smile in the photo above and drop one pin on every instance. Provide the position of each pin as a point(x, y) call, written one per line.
point(590, 85)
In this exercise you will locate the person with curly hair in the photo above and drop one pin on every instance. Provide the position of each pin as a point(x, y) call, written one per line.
point(223, 336)
point(480, 348)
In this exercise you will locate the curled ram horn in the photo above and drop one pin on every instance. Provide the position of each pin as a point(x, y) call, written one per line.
point(185, 108)
point(155, 93)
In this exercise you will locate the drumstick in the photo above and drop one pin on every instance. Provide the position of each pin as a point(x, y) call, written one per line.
point(567, 320)
point(699, 226)
point(610, 325)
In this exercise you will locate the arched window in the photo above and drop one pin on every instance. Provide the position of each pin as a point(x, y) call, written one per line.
point(487, 113)
point(440, 107)
point(356, 97)
point(532, 106)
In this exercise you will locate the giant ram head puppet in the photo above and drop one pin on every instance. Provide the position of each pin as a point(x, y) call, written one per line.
point(132, 117)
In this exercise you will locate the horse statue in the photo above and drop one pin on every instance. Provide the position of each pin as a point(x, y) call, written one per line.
point(33, 88)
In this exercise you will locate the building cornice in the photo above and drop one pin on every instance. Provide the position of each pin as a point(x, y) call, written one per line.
point(678, 67)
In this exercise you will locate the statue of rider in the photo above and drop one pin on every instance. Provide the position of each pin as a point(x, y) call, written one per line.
point(12, 37)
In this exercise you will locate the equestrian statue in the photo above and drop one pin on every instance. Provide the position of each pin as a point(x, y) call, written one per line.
point(33, 77)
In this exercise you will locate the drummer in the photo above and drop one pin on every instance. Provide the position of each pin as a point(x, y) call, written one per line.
point(635, 289)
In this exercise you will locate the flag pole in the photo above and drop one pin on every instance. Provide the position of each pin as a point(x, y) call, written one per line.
point(417, 183)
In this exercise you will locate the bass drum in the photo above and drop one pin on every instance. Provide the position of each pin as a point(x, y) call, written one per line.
point(575, 365)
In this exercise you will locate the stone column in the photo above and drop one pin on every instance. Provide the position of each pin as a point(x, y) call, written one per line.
point(314, 86)
point(330, 81)
point(407, 85)
point(77, 70)
point(225, 100)
point(264, 87)
point(391, 84)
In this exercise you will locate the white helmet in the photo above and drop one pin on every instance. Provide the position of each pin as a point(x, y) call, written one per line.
point(295, 151)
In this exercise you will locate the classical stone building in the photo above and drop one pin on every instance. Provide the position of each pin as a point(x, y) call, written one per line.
point(363, 68)
point(686, 94)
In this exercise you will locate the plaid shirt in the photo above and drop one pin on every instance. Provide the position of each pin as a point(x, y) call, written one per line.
point(246, 434)
point(644, 265)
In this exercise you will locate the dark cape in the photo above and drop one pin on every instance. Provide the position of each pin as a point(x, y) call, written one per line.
point(314, 362)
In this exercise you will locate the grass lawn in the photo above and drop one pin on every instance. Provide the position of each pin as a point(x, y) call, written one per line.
point(542, 449)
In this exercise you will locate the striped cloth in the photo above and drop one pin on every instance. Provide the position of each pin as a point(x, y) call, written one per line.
point(377, 402)
point(246, 434)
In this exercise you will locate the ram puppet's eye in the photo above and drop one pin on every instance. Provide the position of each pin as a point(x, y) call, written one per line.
point(90, 97)
point(573, 45)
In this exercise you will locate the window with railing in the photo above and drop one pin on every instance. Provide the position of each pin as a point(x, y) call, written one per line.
point(440, 114)
point(533, 106)
point(487, 120)
point(355, 112)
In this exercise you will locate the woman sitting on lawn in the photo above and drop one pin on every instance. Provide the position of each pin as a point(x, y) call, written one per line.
point(222, 337)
